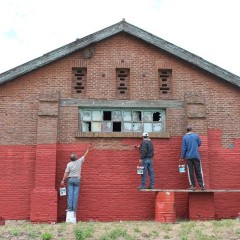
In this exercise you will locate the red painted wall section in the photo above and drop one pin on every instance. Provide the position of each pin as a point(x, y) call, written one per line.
point(16, 181)
point(224, 173)
point(109, 179)
point(201, 206)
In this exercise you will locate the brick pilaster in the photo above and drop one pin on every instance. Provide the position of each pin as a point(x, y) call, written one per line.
point(44, 196)
point(195, 112)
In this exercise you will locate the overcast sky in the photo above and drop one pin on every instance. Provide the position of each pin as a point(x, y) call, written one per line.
point(207, 28)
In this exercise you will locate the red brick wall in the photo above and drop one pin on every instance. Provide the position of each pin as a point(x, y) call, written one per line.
point(16, 180)
point(109, 180)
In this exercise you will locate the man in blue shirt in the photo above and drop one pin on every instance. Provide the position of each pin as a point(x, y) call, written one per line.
point(190, 144)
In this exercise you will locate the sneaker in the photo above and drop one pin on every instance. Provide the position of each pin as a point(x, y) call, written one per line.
point(203, 188)
point(150, 187)
point(192, 188)
point(141, 187)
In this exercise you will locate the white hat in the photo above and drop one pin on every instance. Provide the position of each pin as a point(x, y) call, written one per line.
point(145, 134)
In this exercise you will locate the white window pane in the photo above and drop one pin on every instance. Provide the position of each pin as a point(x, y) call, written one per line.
point(127, 127)
point(127, 116)
point(96, 126)
point(147, 127)
point(136, 116)
point(96, 115)
point(117, 115)
point(157, 127)
point(137, 127)
point(147, 116)
point(107, 126)
point(85, 126)
point(86, 115)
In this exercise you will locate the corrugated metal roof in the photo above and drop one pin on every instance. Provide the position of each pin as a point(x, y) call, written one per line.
point(122, 26)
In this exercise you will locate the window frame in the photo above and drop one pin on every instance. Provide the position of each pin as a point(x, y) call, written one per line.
point(132, 122)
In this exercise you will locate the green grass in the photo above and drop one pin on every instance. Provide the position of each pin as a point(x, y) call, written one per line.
point(46, 236)
point(83, 232)
point(131, 230)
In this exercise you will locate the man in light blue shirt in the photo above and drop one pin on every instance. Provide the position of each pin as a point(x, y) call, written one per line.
point(190, 144)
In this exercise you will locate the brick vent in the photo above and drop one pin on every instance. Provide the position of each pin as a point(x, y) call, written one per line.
point(79, 80)
point(165, 83)
point(123, 82)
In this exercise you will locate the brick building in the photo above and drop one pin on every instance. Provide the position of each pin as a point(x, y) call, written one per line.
point(107, 88)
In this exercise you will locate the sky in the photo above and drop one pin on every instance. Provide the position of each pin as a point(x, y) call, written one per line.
point(207, 28)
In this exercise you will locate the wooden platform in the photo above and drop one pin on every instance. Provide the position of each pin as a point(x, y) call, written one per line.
point(192, 191)
point(201, 205)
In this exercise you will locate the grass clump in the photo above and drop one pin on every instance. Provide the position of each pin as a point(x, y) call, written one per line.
point(82, 233)
point(115, 234)
point(46, 236)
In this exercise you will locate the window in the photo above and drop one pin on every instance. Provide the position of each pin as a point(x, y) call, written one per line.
point(122, 120)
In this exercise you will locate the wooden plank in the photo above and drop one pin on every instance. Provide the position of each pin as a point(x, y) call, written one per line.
point(187, 190)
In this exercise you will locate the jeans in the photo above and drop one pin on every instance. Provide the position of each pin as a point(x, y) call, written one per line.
point(73, 192)
point(148, 166)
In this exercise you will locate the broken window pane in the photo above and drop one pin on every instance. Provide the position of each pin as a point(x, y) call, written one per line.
point(107, 115)
point(96, 126)
point(156, 116)
point(86, 115)
point(96, 115)
point(127, 127)
point(117, 127)
point(136, 116)
point(107, 126)
point(127, 116)
point(86, 126)
point(147, 116)
point(117, 115)
point(137, 127)
point(147, 127)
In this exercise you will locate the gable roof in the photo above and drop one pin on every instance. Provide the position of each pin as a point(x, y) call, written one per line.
point(122, 26)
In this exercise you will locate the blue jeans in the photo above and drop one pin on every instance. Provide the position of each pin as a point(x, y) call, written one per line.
point(148, 166)
point(73, 192)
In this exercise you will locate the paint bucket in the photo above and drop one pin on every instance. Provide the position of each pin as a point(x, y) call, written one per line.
point(140, 169)
point(62, 191)
point(71, 217)
point(181, 168)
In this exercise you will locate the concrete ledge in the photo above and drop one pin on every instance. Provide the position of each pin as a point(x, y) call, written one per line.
point(119, 135)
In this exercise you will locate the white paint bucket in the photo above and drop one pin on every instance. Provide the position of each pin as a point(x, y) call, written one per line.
point(140, 169)
point(181, 168)
point(71, 217)
point(62, 191)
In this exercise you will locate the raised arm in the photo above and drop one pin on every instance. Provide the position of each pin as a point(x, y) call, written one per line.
point(87, 150)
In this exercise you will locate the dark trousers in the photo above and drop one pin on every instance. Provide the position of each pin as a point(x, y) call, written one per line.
point(195, 165)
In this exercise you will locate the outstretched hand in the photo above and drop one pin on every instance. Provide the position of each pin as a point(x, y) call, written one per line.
point(89, 145)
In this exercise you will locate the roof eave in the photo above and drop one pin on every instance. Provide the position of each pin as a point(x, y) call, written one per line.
point(122, 26)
